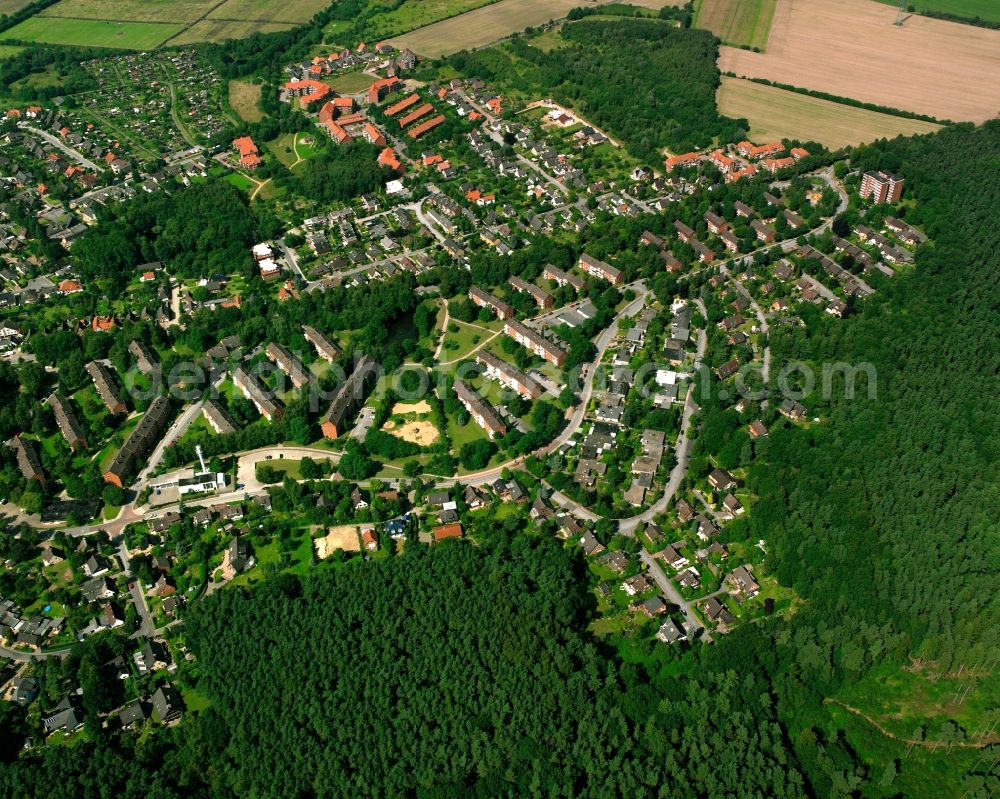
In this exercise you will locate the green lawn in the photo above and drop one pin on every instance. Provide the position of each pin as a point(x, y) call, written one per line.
point(351, 82)
point(9, 51)
point(94, 32)
point(461, 343)
point(242, 182)
point(738, 22)
point(984, 9)
point(286, 466)
point(408, 16)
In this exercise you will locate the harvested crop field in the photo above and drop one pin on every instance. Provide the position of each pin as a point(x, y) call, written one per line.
point(482, 26)
point(218, 30)
point(281, 11)
point(852, 49)
point(737, 21)
point(344, 536)
point(984, 9)
point(94, 32)
point(131, 10)
point(778, 113)
point(12, 6)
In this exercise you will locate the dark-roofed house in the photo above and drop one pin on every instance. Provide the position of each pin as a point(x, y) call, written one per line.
point(795, 411)
point(484, 299)
point(289, 364)
point(324, 346)
point(541, 297)
point(742, 582)
point(27, 459)
point(220, 421)
point(96, 589)
point(132, 714)
point(237, 557)
point(728, 369)
point(66, 717)
point(66, 419)
point(145, 358)
point(25, 690)
point(167, 703)
point(670, 632)
point(508, 375)
point(597, 268)
point(535, 342)
point(107, 387)
point(263, 400)
point(562, 278)
point(482, 412)
point(589, 544)
point(721, 480)
point(139, 442)
point(153, 656)
point(351, 394)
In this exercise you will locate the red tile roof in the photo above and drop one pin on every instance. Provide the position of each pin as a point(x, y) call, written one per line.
point(402, 105)
point(415, 114)
point(388, 158)
point(423, 127)
point(244, 144)
point(447, 531)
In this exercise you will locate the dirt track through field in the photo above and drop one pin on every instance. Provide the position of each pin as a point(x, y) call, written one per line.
point(851, 48)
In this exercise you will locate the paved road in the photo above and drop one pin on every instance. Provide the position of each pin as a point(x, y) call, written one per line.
point(693, 626)
point(188, 415)
point(55, 141)
point(146, 628)
point(291, 257)
point(682, 449)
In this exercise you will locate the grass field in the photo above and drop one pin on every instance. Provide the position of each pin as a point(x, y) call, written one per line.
point(351, 82)
point(9, 51)
point(852, 49)
point(131, 10)
point(147, 24)
point(739, 22)
point(94, 33)
point(412, 14)
point(282, 11)
point(217, 30)
point(984, 9)
point(777, 114)
point(482, 26)
point(243, 98)
point(12, 6)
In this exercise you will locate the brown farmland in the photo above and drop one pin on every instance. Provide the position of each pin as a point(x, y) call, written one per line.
point(851, 48)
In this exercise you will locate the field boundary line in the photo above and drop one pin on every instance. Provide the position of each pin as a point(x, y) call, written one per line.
point(191, 24)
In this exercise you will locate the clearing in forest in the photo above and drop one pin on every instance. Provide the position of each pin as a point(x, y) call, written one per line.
point(344, 536)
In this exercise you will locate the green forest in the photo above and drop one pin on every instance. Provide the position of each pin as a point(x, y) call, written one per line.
point(468, 669)
point(650, 83)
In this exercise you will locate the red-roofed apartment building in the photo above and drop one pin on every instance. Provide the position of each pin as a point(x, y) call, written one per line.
point(388, 158)
point(308, 91)
point(684, 159)
point(750, 150)
point(248, 152)
point(380, 88)
point(373, 135)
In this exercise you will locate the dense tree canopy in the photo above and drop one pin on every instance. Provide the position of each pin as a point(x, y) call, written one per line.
point(645, 81)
